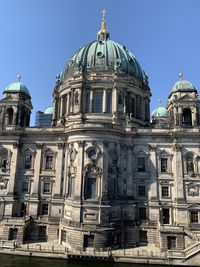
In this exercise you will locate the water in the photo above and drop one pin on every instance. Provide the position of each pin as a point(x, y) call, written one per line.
point(17, 261)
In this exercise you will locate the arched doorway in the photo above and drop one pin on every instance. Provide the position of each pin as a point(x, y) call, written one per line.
point(187, 117)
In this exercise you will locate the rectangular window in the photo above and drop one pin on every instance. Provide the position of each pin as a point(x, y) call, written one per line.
point(141, 191)
point(42, 233)
point(88, 241)
point(91, 188)
point(109, 102)
point(166, 218)
point(27, 162)
point(49, 162)
point(46, 187)
point(163, 162)
point(165, 191)
point(171, 242)
point(13, 234)
point(194, 217)
point(45, 209)
point(25, 186)
point(87, 102)
point(98, 99)
point(142, 214)
point(141, 164)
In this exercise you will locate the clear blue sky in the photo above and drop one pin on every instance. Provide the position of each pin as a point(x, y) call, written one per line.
point(39, 36)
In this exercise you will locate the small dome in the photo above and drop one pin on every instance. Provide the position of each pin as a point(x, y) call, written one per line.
point(17, 87)
point(48, 110)
point(159, 112)
point(183, 86)
point(103, 55)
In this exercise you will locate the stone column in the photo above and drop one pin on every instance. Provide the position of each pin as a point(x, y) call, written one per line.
point(59, 171)
point(105, 173)
point(37, 165)
point(178, 174)
point(61, 106)
point(154, 209)
point(129, 164)
point(67, 105)
point(91, 100)
point(71, 102)
point(79, 174)
point(13, 168)
point(115, 100)
point(194, 116)
point(54, 109)
point(104, 101)
point(153, 174)
point(180, 112)
point(180, 211)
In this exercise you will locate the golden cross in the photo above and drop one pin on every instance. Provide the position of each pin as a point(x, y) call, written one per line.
point(104, 14)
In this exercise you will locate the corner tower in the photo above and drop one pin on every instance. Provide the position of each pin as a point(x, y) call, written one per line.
point(183, 104)
point(16, 105)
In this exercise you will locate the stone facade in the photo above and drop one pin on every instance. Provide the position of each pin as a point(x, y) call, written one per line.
point(102, 176)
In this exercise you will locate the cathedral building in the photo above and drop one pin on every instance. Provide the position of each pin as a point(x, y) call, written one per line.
point(104, 174)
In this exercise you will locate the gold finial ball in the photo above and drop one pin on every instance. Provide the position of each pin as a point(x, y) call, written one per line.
point(180, 75)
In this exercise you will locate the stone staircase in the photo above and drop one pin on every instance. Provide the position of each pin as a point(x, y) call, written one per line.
point(191, 234)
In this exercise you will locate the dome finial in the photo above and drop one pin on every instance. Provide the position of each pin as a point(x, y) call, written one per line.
point(160, 102)
point(103, 34)
point(180, 75)
point(19, 77)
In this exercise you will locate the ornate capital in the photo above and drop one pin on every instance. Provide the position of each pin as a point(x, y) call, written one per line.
point(81, 143)
point(177, 147)
point(61, 145)
point(16, 144)
point(39, 145)
point(152, 148)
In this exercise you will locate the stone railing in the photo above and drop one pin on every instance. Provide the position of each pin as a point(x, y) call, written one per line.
point(184, 254)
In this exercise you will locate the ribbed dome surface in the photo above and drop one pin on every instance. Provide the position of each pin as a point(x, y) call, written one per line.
point(48, 110)
point(17, 87)
point(159, 112)
point(103, 56)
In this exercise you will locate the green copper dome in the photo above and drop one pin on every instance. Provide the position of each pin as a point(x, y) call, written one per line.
point(183, 86)
point(103, 55)
point(159, 112)
point(17, 87)
point(48, 110)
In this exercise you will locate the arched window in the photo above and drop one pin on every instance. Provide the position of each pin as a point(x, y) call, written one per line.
point(187, 117)
point(10, 116)
point(98, 100)
point(91, 181)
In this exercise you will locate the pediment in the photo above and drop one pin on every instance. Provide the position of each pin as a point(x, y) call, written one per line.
point(194, 206)
point(27, 150)
point(187, 98)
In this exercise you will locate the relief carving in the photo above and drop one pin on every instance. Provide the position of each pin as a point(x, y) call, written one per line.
point(193, 190)
point(3, 183)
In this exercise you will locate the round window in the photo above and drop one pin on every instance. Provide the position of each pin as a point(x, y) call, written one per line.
point(92, 153)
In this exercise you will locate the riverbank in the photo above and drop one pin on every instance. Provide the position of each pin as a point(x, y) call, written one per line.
point(144, 255)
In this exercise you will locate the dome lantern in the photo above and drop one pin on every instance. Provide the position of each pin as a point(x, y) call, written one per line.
point(103, 34)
